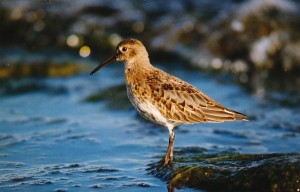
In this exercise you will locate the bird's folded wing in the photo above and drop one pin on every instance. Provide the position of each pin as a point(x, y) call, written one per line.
point(181, 102)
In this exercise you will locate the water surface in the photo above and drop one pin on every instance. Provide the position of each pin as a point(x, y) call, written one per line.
point(52, 140)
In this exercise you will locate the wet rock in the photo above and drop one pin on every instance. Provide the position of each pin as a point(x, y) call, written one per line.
point(18, 87)
point(233, 172)
point(38, 69)
point(262, 37)
point(259, 32)
point(239, 37)
point(116, 96)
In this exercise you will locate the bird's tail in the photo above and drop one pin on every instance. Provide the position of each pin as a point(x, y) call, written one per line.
point(240, 116)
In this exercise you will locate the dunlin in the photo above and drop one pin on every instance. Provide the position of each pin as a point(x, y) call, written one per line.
point(163, 98)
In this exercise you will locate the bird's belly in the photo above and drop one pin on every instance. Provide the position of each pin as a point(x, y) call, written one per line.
point(146, 108)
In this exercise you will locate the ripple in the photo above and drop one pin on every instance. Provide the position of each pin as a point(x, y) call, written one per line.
point(138, 184)
point(97, 186)
point(95, 169)
point(42, 181)
point(242, 135)
point(61, 190)
point(7, 140)
point(11, 164)
point(20, 178)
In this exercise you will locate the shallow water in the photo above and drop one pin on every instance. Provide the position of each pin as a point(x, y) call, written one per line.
point(51, 140)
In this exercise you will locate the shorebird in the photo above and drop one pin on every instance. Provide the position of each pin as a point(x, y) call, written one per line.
point(163, 98)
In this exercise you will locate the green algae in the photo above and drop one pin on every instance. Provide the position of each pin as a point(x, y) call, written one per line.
point(38, 69)
point(233, 172)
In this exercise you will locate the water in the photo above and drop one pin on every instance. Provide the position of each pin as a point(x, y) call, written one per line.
point(54, 141)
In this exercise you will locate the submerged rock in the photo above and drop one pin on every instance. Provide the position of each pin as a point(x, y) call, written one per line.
point(116, 96)
point(9, 88)
point(233, 172)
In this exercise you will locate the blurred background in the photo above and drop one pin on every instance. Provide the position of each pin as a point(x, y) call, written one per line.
point(61, 128)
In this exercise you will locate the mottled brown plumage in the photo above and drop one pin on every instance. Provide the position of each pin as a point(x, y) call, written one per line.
point(163, 98)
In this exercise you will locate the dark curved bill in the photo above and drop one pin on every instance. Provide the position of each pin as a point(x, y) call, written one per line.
point(108, 61)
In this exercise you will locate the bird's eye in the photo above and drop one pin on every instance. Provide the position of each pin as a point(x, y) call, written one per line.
point(124, 49)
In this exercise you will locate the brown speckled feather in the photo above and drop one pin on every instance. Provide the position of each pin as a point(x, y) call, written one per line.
point(183, 103)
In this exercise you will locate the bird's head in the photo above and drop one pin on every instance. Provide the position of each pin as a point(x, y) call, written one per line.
point(129, 51)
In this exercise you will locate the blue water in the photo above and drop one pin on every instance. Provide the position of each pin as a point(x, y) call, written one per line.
point(54, 141)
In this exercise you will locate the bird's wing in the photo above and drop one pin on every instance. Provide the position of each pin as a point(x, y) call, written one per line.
point(181, 102)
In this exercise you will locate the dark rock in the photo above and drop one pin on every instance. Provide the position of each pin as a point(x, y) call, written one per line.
point(235, 36)
point(16, 87)
point(116, 96)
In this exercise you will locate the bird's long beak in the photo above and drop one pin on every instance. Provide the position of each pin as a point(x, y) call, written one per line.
point(108, 61)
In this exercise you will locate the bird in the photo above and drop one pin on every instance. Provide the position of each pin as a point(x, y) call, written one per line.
point(162, 98)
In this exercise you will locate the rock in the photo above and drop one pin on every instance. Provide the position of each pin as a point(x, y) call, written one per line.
point(39, 70)
point(233, 172)
point(240, 37)
point(116, 96)
point(9, 88)
point(17, 63)
point(260, 33)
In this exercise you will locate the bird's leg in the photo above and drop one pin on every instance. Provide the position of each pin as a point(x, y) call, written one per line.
point(169, 155)
point(171, 143)
point(171, 188)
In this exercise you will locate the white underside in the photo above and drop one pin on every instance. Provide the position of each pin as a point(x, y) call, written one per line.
point(158, 117)
point(156, 114)
point(149, 111)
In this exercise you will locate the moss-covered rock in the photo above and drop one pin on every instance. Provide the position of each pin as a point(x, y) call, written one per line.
point(233, 172)
point(256, 40)
point(39, 70)
point(261, 34)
